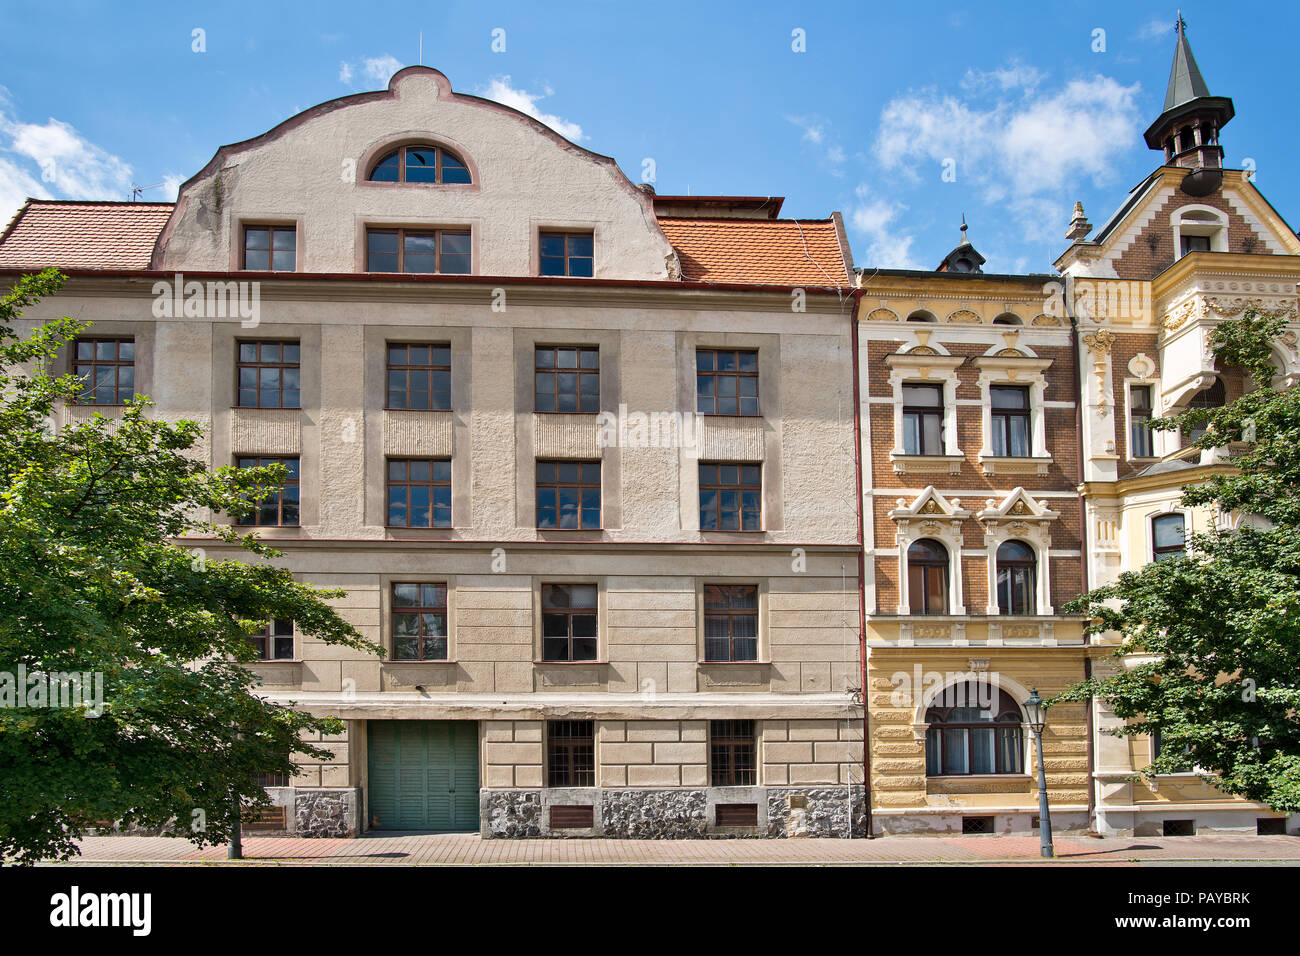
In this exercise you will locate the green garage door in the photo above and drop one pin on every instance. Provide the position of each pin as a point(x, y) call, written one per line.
point(423, 775)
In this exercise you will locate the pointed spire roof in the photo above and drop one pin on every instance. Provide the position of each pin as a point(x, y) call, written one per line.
point(1185, 80)
point(1187, 93)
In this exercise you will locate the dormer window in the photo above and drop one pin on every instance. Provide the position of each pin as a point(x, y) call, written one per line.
point(1199, 229)
point(421, 164)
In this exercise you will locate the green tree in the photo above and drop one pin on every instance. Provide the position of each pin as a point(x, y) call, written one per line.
point(1222, 622)
point(94, 581)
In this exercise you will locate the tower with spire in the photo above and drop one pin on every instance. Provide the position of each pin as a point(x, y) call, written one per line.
point(963, 258)
point(1188, 128)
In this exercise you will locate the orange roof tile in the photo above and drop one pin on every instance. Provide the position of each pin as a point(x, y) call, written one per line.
point(759, 251)
point(82, 235)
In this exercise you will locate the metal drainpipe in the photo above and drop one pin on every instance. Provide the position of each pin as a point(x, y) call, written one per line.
point(862, 580)
point(1083, 539)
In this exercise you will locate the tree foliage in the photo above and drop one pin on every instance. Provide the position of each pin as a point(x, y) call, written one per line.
point(1217, 631)
point(94, 581)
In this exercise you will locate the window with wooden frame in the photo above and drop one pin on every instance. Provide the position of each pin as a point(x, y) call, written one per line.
point(269, 374)
point(419, 615)
point(566, 254)
point(568, 495)
point(270, 248)
point(566, 378)
point(280, 508)
point(419, 376)
point(726, 382)
point(923, 420)
point(965, 737)
point(419, 493)
point(1017, 578)
point(442, 251)
point(107, 366)
point(732, 753)
point(1140, 443)
point(427, 164)
point(927, 577)
point(569, 622)
point(1168, 535)
point(271, 779)
point(570, 753)
point(731, 622)
point(275, 641)
point(731, 497)
point(1009, 418)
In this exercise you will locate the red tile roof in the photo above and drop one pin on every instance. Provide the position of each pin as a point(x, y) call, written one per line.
point(759, 251)
point(121, 235)
point(82, 235)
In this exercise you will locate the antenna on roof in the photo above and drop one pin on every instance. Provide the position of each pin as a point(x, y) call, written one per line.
point(137, 190)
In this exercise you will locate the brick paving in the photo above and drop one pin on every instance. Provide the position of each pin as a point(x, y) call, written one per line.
point(460, 849)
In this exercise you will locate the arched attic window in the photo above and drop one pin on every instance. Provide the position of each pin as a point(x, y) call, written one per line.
point(1008, 318)
point(922, 316)
point(420, 163)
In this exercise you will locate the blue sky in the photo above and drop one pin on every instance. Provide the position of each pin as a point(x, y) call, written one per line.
point(864, 120)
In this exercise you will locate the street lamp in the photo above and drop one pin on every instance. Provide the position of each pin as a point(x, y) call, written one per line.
point(1036, 711)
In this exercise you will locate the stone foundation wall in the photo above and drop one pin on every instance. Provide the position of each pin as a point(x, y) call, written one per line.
point(327, 813)
point(674, 813)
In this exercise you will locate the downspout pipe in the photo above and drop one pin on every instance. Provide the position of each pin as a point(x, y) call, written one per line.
point(862, 579)
point(1083, 540)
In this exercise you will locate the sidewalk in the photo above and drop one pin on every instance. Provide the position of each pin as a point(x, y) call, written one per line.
point(463, 849)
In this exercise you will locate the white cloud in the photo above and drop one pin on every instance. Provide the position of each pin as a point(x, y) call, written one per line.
point(370, 70)
point(816, 131)
point(874, 218)
point(1157, 28)
point(501, 91)
point(171, 185)
point(1021, 151)
point(381, 68)
point(1014, 76)
point(44, 160)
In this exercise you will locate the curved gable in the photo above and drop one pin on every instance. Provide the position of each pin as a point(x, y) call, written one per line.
point(311, 171)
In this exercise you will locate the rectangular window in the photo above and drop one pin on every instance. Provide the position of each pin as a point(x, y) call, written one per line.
point(269, 375)
point(419, 376)
point(419, 493)
point(568, 495)
point(569, 622)
point(726, 382)
point(420, 621)
point(1167, 536)
point(570, 753)
point(923, 419)
point(1139, 413)
point(274, 642)
point(281, 508)
point(1010, 421)
point(731, 497)
point(566, 379)
point(1157, 744)
point(270, 248)
point(444, 251)
point(107, 366)
point(1195, 244)
point(732, 753)
point(730, 622)
point(566, 254)
point(272, 779)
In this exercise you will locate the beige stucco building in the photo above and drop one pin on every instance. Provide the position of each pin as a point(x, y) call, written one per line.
point(584, 467)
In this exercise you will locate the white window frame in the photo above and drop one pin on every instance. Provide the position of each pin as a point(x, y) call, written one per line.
point(1034, 529)
point(944, 526)
point(931, 368)
point(1023, 371)
point(1157, 438)
point(1212, 222)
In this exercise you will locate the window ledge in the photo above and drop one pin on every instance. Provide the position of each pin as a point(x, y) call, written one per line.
point(960, 777)
point(571, 663)
point(405, 663)
point(921, 464)
point(734, 663)
point(1008, 465)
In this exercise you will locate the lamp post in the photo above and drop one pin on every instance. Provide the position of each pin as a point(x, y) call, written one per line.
point(1037, 713)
